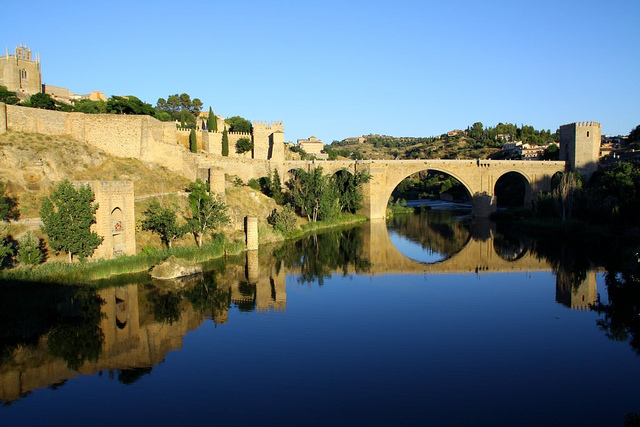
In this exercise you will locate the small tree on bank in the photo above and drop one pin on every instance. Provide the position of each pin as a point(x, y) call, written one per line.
point(162, 221)
point(29, 250)
point(67, 215)
point(207, 211)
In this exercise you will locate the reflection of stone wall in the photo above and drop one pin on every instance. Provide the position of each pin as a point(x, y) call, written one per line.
point(129, 342)
point(576, 296)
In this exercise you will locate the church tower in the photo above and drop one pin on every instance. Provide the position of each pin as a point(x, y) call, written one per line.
point(20, 72)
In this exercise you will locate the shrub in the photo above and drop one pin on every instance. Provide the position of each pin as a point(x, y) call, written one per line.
point(255, 184)
point(284, 220)
point(30, 250)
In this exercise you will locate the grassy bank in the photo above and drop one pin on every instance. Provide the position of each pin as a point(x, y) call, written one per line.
point(312, 227)
point(83, 272)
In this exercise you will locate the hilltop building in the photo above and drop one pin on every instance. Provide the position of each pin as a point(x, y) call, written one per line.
point(20, 72)
point(311, 145)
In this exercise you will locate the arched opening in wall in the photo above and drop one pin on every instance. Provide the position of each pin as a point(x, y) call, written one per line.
point(511, 190)
point(430, 185)
point(117, 231)
point(437, 225)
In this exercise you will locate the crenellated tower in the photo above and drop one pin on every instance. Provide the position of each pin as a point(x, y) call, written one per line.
point(580, 146)
point(268, 140)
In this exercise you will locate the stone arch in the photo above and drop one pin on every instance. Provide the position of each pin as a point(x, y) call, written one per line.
point(395, 182)
point(518, 181)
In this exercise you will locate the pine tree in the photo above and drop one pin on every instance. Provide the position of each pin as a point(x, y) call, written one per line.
point(67, 215)
point(29, 250)
point(225, 142)
point(212, 122)
point(193, 142)
point(275, 187)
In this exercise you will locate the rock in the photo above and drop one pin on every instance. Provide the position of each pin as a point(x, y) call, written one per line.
point(173, 268)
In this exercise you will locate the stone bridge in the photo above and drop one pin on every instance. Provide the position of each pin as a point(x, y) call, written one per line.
point(479, 177)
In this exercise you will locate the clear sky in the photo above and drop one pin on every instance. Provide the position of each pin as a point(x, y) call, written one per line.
point(341, 68)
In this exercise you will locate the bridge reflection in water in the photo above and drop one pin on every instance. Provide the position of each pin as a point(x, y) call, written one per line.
point(137, 337)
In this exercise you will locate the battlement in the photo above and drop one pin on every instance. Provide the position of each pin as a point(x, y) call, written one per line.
point(273, 126)
point(583, 124)
point(239, 134)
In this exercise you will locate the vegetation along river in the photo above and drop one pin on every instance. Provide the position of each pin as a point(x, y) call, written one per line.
point(428, 318)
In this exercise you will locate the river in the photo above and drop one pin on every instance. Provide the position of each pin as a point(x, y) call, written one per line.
point(425, 319)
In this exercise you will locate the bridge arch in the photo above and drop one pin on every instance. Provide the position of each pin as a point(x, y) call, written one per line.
point(398, 179)
point(513, 189)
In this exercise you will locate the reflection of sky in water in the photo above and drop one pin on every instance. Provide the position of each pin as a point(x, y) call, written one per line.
point(414, 250)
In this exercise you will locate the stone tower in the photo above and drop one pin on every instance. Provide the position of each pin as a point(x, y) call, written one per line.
point(580, 146)
point(21, 72)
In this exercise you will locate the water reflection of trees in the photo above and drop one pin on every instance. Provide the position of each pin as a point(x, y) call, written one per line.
point(320, 255)
point(67, 316)
point(621, 316)
point(439, 231)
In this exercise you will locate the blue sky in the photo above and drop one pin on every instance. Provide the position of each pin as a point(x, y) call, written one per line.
point(335, 69)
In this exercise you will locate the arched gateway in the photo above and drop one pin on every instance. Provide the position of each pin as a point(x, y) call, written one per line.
point(479, 177)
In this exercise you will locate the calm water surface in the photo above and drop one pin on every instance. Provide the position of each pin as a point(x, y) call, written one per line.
point(428, 319)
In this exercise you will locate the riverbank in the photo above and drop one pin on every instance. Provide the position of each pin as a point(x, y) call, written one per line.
point(92, 271)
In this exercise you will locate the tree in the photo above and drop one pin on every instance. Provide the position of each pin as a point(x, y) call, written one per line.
point(129, 105)
point(29, 250)
point(564, 193)
point(42, 100)
point(176, 104)
point(349, 189)
point(307, 190)
point(275, 188)
point(243, 145)
point(8, 206)
point(238, 124)
point(225, 142)
point(7, 96)
point(212, 122)
point(6, 249)
point(207, 211)
point(67, 215)
point(88, 106)
point(162, 221)
point(193, 141)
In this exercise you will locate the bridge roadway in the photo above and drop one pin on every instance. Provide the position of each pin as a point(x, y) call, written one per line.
point(479, 177)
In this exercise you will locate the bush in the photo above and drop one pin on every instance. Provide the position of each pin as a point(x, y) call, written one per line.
point(255, 184)
point(30, 250)
point(284, 220)
point(238, 182)
point(243, 145)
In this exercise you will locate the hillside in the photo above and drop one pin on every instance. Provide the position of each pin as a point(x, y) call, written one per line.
point(388, 147)
point(32, 165)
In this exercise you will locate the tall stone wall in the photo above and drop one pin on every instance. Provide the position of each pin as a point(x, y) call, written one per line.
point(139, 137)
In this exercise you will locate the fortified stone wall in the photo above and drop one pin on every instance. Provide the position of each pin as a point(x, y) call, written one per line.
point(140, 137)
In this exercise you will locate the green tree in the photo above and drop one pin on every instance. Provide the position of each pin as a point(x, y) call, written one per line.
point(207, 211)
point(43, 101)
point(162, 221)
point(212, 121)
point(67, 215)
point(307, 188)
point(129, 105)
point(30, 250)
point(225, 142)
point(193, 141)
point(349, 188)
point(88, 106)
point(6, 248)
point(176, 104)
point(238, 124)
point(8, 205)
point(275, 188)
point(243, 145)
point(7, 96)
